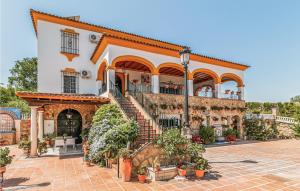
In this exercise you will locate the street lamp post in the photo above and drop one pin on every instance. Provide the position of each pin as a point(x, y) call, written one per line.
point(185, 58)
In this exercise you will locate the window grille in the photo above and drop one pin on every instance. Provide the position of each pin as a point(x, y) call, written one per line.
point(6, 123)
point(69, 42)
point(70, 82)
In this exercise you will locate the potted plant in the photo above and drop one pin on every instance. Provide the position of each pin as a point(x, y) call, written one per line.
point(25, 145)
point(42, 147)
point(86, 160)
point(230, 135)
point(126, 165)
point(182, 170)
point(5, 159)
point(85, 147)
point(142, 171)
point(200, 167)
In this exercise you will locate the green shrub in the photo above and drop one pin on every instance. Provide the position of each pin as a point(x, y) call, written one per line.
point(230, 131)
point(257, 130)
point(24, 144)
point(107, 111)
point(207, 134)
point(5, 159)
point(201, 164)
point(173, 143)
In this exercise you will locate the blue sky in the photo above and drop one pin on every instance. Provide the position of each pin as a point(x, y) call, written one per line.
point(262, 34)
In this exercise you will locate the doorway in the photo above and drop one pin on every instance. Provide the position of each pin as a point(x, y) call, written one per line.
point(69, 122)
point(120, 82)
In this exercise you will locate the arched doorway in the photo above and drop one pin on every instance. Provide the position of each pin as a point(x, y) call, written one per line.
point(69, 122)
point(204, 82)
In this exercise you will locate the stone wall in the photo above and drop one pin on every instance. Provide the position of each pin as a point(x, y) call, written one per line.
point(145, 156)
point(86, 111)
point(285, 130)
point(8, 138)
point(220, 111)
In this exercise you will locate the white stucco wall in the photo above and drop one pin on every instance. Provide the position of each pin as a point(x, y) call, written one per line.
point(51, 61)
point(157, 59)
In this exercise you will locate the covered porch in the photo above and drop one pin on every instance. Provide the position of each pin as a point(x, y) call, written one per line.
point(136, 74)
point(60, 116)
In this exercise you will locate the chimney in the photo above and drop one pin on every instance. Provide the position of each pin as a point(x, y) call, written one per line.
point(75, 18)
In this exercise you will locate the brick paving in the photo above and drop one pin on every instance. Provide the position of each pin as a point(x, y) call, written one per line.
point(273, 165)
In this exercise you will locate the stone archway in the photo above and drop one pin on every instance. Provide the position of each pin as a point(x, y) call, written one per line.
point(69, 122)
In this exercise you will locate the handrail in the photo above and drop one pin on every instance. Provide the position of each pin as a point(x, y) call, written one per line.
point(121, 101)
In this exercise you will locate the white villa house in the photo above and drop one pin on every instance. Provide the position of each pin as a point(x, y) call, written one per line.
point(82, 66)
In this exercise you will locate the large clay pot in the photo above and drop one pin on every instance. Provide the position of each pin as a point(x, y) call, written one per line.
point(2, 169)
point(181, 172)
point(200, 173)
point(142, 178)
point(126, 170)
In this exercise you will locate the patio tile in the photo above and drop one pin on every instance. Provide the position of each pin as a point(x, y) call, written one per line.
point(259, 166)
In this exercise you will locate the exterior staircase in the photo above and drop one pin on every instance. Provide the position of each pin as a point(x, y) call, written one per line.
point(146, 131)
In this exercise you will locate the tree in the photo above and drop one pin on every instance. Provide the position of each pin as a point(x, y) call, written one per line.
point(8, 98)
point(296, 99)
point(24, 75)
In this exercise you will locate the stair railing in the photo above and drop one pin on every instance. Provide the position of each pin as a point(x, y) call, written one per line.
point(121, 101)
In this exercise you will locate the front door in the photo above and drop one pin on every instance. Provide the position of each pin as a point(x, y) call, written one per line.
point(69, 122)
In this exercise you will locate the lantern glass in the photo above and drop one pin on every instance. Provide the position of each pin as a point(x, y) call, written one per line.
point(185, 55)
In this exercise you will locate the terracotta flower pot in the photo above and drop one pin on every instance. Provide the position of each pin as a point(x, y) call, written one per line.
point(142, 178)
point(2, 169)
point(181, 172)
point(200, 173)
point(126, 170)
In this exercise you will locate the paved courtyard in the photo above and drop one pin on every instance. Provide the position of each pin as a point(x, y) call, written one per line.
point(273, 165)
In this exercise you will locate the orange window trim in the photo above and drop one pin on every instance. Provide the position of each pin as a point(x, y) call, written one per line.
point(69, 56)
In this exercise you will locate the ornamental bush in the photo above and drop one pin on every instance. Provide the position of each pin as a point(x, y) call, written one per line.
point(5, 159)
point(207, 134)
point(178, 148)
point(109, 133)
point(257, 130)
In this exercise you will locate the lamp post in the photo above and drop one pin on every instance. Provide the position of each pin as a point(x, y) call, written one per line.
point(185, 58)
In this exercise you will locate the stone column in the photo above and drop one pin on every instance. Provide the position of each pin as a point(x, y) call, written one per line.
point(41, 125)
point(217, 93)
point(190, 88)
point(126, 81)
point(33, 131)
point(241, 90)
point(155, 83)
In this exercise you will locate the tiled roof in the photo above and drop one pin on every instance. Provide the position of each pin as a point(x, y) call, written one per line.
point(62, 96)
point(109, 32)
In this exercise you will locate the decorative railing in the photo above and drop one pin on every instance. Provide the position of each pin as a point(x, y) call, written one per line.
point(102, 89)
point(229, 96)
point(288, 120)
point(130, 114)
point(133, 88)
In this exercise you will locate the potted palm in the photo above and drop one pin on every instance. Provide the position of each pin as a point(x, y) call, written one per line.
point(126, 165)
point(5, 159)
point(142, 171)
point(200, 167)
point(182, 170)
